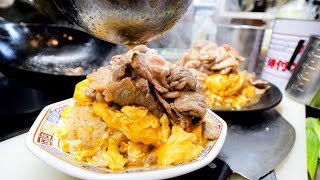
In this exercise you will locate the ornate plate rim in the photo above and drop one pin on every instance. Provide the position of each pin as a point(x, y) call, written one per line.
point(78, 172)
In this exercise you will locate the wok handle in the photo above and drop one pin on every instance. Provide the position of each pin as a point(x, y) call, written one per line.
point(222, 171)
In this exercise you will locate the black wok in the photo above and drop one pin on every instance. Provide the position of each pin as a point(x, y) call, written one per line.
point(38, 55)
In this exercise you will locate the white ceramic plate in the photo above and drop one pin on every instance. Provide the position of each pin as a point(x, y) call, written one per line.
point(43, 143)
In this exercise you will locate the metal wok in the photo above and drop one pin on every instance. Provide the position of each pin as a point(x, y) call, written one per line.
point(39, 55)
point(128, 22)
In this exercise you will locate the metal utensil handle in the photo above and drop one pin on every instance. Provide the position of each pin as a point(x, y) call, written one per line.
point(270, 176)
point(295, 53)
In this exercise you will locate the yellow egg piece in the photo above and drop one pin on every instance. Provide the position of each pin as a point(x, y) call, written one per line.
point(136, 152)
point(225, 84)
point(62, 132)
point(66, 112)
point(180, 147)
point(136, 123)
point(79, 94)
point(113, 158)
point(81, 155)
point(231, 91)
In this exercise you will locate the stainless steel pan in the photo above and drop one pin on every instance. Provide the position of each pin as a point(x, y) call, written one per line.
point(39, 55)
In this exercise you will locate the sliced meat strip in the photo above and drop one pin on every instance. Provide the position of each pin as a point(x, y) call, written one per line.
point(99, 97)
point(190, 104)
point(161, 76)
point(251, 77)
point(209, 131)
point(179, 115)
point(226, 70)
point(132, 92)
point(141, 48)
point(73, 71)
point(212, 58)
point(222, 54)
point(184, 59)
point(158, 66)
point(181, 78)
point(181, 85)
point(208, 64)
point(205, 70)
point(141, 68)
point(133, 76)
point(261, 91)
point(121, 59)
point(202, 50)
point(202, 43)
point(199, 75)
point(230, 62)
point(184, 121)
point(167, 107)
point(208, 52)
point(193, 53)
point(119, 72)
point(240, 58)
point(170, 95)
point(193, 64)
point(160, 73)
point(233, 52)
point(100, 80)
point(261, 86)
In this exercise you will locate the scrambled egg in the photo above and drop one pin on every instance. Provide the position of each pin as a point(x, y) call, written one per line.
point(112, 156)
point(225, 84)
point(180, 147)
point(229, 90)
point(136, 123)
point(118, 139)
point(79, 94)
point(136, 152)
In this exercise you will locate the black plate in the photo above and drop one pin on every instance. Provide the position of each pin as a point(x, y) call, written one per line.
point(267, 101)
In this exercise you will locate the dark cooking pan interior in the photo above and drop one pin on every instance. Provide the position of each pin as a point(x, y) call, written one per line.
point(40, 54)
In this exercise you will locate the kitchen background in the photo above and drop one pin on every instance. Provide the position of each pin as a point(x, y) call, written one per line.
point(271, 34)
